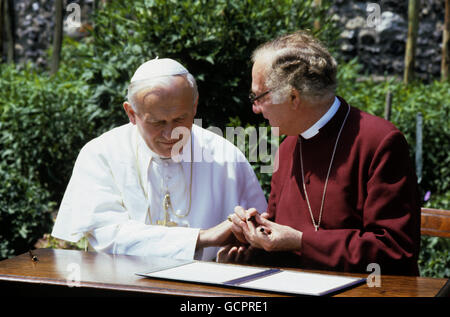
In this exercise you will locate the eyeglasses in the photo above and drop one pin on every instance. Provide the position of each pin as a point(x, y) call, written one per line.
point(254, 97)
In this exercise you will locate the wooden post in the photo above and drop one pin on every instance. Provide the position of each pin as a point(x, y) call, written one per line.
point(1, 30)
point(445, 63)
point(387, 108)
point(410, 54)
point(317, 5)
point(9, 32)
point(419, 130)
point(57, 37)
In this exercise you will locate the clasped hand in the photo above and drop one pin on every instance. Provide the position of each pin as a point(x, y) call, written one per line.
point(255, 231)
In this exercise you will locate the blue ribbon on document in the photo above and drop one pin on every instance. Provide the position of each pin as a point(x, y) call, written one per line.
point(251, 277)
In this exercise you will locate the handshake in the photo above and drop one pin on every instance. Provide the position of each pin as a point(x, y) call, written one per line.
point(251, 231)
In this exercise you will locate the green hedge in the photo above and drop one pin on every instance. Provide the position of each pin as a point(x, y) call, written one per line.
point(24, 211)
point(214, 39)
point(43, 123)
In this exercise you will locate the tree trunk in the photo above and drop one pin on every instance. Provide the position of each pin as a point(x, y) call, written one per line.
point(445, 64)
point(8, 23)
point(1, 30)
point(410, 54)
point(57, 36)
point(317, 5)
point(388, 106)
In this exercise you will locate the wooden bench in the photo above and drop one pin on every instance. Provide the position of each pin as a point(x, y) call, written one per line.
point(435, 222)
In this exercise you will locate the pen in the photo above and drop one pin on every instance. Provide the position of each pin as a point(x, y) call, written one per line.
point(264, 230)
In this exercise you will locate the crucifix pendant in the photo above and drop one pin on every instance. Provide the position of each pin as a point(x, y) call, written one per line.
point(166, 222)
point(166, 202)
point(316, 227)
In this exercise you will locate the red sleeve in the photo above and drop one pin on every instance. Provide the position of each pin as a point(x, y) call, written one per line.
point(390, 233)
point(272, 202)
point(280, 173)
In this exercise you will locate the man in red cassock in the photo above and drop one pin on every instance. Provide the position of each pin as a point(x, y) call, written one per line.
point(345, 193)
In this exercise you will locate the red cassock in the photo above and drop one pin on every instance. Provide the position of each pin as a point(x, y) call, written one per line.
point(371, 210)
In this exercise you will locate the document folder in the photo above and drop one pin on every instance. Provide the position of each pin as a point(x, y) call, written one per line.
point(257, 278)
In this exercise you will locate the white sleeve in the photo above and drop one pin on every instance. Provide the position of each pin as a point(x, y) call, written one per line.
point(92, 205)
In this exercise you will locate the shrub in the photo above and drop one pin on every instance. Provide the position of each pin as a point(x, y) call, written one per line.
point(264, 157)
point(44, 121)
point(24, 211)
point(434, 257)
point(213, 39)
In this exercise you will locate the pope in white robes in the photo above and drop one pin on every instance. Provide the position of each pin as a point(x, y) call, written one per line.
point(158, 185)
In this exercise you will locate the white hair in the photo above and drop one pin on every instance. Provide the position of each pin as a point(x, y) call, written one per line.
point(161, 81)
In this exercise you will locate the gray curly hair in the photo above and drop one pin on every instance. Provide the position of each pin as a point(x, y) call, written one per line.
point(300, 61)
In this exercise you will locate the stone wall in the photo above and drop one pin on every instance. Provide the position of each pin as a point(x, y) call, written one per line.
point(34, 23)
point(381, 48)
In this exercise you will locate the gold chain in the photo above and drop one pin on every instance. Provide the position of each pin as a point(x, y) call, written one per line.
point(167, 202)
point(316, 226)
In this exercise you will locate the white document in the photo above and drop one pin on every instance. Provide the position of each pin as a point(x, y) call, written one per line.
point(258, 278)
point(302, 283)
point(206, 272)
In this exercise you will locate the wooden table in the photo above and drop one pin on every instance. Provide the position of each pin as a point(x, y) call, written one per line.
point(56, 272)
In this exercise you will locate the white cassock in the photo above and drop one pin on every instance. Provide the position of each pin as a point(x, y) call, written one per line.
point(115, 195)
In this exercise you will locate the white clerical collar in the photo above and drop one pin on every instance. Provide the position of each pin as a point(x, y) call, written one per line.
point(314, 129)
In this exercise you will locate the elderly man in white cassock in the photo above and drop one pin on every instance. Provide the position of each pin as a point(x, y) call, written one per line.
point(158, 185)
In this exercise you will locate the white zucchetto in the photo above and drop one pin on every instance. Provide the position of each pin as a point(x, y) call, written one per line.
point(158, 68)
